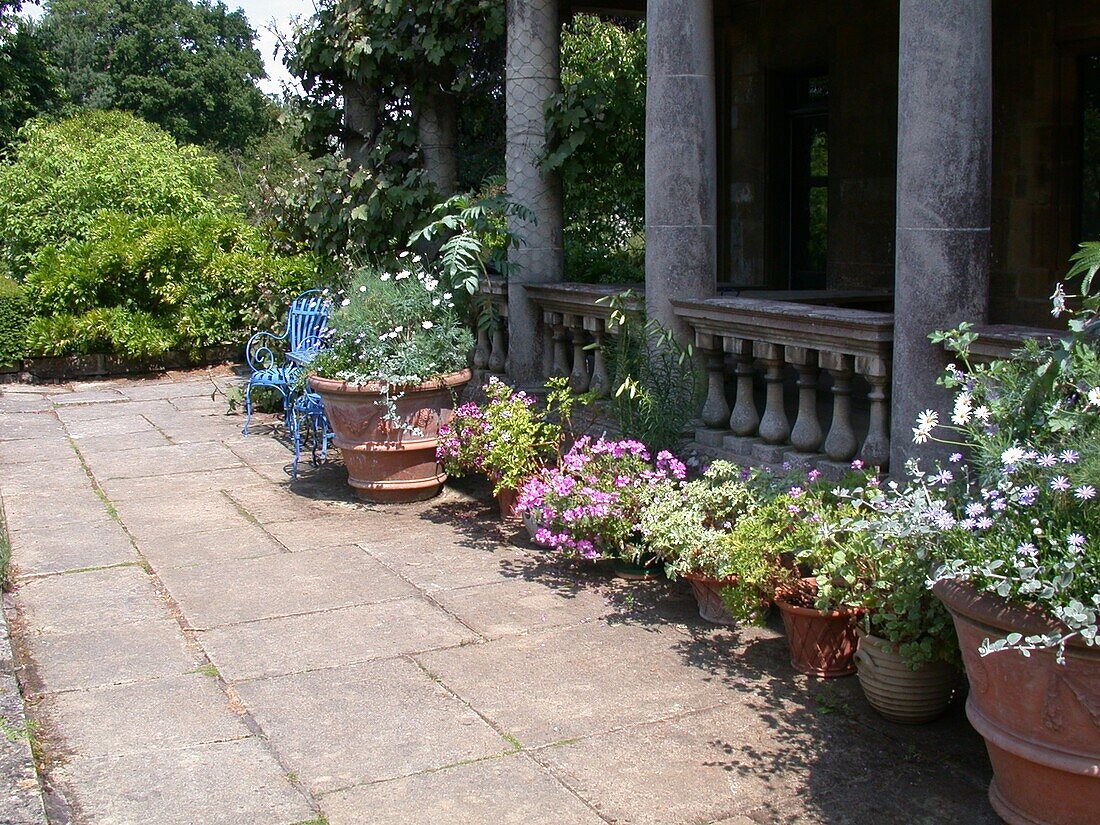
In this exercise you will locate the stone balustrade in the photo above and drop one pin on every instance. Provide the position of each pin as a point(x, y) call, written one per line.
point(1000, 341)
point(575, 325)
point(781, 358)
point(491, 332)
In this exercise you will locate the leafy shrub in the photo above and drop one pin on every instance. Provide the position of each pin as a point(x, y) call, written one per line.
point(61, 175)
point(13, 321)
point(139, 287)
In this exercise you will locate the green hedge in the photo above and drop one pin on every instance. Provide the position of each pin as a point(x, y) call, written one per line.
point(141, 287)
point(14, 312)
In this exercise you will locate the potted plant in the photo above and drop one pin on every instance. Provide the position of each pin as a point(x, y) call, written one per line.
point(820, 622)
point(1022, 573)
point(590, 505)
point(878, 558)
point(689, 528)
point(507, 439)
point(395, 359)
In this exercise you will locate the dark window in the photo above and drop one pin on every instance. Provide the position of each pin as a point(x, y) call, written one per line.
point(809, 196)
point(1090, 157)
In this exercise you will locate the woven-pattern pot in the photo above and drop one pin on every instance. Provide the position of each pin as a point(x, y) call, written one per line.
point(901, 694)
point(708, 593)
point(822, 644)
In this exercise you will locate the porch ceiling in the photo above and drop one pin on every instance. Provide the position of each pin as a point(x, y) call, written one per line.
point(612, 8)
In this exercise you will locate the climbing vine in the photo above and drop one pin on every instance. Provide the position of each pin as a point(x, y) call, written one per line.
point(367, 188)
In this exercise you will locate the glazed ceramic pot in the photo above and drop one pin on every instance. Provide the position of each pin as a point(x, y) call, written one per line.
point(821, 643)
point(388, 461)
point(708, 594)
point(1040, 720)
point(632, 571)
point(897, 691)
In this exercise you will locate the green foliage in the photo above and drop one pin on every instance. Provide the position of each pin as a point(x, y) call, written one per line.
point(395, 327)
point(28, 83)
point(139, 287)
point(473, 228)
point(690, 528)
point(61, 175)
point(598, 122)
point(657, 386)
point(14, 312)
point(507, 439)
point(188, 67)
point(392, 56)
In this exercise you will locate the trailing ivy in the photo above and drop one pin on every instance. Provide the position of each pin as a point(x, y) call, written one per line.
point(366, 190)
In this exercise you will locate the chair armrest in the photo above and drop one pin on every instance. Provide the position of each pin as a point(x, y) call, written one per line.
point(262, 350)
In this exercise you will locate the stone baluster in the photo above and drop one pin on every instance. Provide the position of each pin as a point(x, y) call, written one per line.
point(744, 419)
point(876, 446)
point(499, 350)
point(578, 378)
point(806, 436)
point(559, 365)
point(840, 444)
point(600, 385)
point(716, 409)
point(481, 350)
point(775, 428)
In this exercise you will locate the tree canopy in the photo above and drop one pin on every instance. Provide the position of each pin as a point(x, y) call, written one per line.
point(188, 67)
point(28, 83)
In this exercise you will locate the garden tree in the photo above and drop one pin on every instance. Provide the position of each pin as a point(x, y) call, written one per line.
point(599, 148)
point(188, 67)
point(61, 175)
point(384, 84)
point(28, 83)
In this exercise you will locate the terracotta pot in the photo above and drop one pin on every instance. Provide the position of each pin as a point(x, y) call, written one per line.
point(708, 593)
point(386, 462)
point(506, 501)
point(1040, 720)
point(822, 644)
point(895, 690)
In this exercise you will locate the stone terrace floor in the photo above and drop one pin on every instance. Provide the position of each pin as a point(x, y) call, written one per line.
point(200, 641)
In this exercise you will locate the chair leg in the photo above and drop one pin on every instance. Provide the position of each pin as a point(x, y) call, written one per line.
point(247, 408)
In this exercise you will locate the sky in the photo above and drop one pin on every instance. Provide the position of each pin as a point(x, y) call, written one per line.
point(261, 14)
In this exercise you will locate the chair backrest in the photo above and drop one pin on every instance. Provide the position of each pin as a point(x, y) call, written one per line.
point(307, 318)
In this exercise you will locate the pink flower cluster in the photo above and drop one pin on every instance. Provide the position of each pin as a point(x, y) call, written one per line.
point(589, 506)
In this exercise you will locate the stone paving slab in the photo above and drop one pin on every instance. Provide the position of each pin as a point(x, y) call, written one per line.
point(227, 783)
point(348, 635)
point(21, 798)
point(551, 686)
point(165, 460)
point(510, 790)
point(361, 723)
point(121, 720)
point(152, 489)
point(90, 600)
point(34, 451)
point(52, 548)
point(100, 447)
point(21, 426)
point(190, 547)
point(222, 593)
point(78, 658)
point(122, 423)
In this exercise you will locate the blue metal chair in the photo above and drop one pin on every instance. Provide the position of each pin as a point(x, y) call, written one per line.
point(277, 361)
point(307, 415)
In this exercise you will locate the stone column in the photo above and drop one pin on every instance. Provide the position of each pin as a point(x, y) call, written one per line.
point(533, 66)
point(437, 132)
point(360, 122)
point(680, 155)
point(945, 126)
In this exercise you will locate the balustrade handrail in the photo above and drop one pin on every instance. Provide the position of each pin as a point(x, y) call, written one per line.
point(857, 332)
point(583, 299)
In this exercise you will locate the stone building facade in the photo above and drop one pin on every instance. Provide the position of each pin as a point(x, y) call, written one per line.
point(826, 183)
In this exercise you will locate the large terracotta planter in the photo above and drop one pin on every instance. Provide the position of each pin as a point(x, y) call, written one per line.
point(387, 462)
point(822, 644)
point(708, 593)
point(1040, 720)
point(895, 690)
